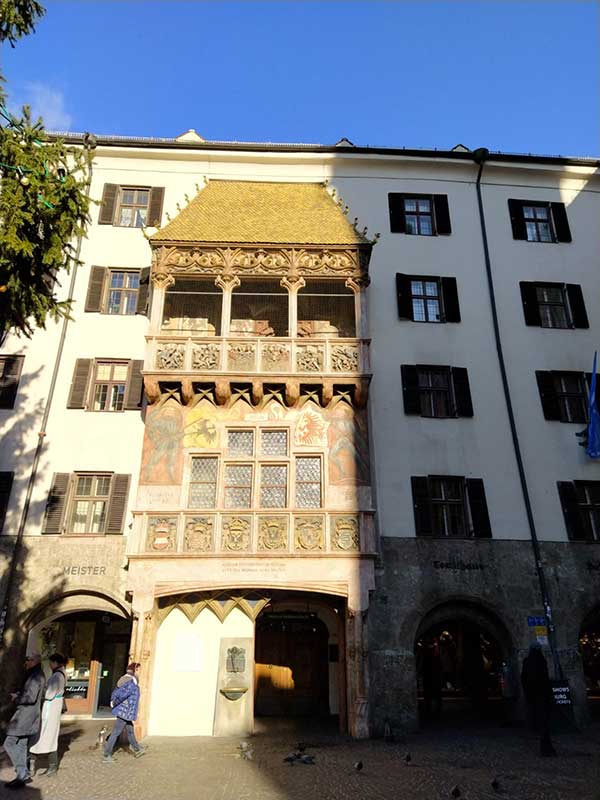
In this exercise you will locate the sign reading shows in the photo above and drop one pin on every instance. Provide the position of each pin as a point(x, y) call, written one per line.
point(561, 693)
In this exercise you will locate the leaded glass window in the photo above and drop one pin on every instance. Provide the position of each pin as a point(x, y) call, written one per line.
point(273, 485)
point(308, 482)
point(273, 443)
point(240, 443)
point(203, 483)
point(238, 485)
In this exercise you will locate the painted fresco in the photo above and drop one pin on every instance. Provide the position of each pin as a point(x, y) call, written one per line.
point(348, 447)
point(162, 454)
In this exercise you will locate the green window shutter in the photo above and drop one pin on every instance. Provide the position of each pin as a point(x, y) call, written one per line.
point(143, 291)
point(6, 481)
point(109, 201)
point(79, 383)
point(117, 505)
point(95, 292)
point(135, 385)
point(155, 206)
point(54, 518)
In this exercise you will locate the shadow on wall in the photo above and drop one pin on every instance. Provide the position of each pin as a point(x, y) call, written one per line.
point(18, 441)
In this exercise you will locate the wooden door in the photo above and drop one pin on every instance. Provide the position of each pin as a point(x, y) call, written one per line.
point(291, 672)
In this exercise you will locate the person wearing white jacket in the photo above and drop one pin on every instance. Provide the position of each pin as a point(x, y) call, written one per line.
point(51, 710)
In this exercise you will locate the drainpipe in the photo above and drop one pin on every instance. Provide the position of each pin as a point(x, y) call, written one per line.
point(89, 143)
point(480, 156)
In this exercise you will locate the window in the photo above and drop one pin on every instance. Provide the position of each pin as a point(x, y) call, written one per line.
point(553, 305)
point(118, 291)
point(103, 385)
point(419, 214)
point(10, 375)
point(424, 298)
point(564, 395)
point(6, 481)
point(539, 221)
point(426, 301)
point(580, 502)
point(86, 503)
point(88, 510)
point(432, 391)
point(255, 472)
point(122, 292)
point(259, 308)
point(308, 482)
point(193, 304)
point(326, 308)
point(131, 206)
point(450, 506)
point(110, 382)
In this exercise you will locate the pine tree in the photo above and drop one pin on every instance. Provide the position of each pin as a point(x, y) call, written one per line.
point(44, 202)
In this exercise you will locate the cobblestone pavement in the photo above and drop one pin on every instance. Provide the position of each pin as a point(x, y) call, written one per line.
point(212, 769)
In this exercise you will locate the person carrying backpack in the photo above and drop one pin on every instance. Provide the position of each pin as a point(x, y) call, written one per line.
point(124, 704)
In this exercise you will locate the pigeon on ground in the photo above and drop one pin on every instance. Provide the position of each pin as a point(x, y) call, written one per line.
point(248, 755)
point(306, 759)
point(358, 765)
point(496, 785)
point(408, 758)
point(455, 792)
point(290, 758)
point(243, 746)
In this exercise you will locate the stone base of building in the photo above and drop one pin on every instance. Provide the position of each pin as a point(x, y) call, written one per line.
point(427, 588)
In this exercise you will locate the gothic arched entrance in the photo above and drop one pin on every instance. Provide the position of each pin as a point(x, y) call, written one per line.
point(464, 664)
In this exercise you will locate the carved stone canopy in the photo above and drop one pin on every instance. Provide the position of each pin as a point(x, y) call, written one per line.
point(291, 262)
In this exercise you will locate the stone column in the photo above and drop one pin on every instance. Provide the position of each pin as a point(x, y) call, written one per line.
point(293, 283)
point(357, 674)
point(161, 280)
point(227, 283)
point(143, 636)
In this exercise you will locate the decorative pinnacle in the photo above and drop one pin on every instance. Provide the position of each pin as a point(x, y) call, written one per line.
point(355, 223)
point(187, 197)
point(376, 238)
point(177, 206)
point(346, 209)
point(364, 231)
point(168, 216)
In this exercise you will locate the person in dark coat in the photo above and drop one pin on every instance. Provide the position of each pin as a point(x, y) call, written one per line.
point(24, 725)
point(124, 706)
point(538, 694)
point(431, 670)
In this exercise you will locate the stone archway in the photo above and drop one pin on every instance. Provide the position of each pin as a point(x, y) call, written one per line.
point(464, 662)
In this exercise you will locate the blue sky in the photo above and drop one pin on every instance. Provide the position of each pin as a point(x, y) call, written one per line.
point(510, 75)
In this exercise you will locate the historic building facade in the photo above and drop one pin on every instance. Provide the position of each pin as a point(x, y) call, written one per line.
point(294, 464)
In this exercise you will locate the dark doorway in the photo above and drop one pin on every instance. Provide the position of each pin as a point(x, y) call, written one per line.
point(291, 665)
point(463, 672)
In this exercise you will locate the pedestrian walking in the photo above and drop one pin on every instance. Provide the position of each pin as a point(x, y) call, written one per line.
point(538, 694)
point(124, 706)
point(24, 725)
point(54, 699)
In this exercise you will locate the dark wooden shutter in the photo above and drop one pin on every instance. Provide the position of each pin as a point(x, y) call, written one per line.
point(531, 308)
point(570, 508)
point(442, 215)
point(57, 503)
point(142, 298)
point(155, 205)
point(9, 379)
point(517, 220)
point(404, 295)
point(135, 384)
point(548, 396)
point(79, 384)
point(479, 510)
point(561, 222)
point(578, 313)
point(422, 506)
point(588, 379)
point(462, 392)
point(410, 389)
point(450, 298)
point(109, 201)
point(397, 220)
point(6, 481)
point(95, 292)
point(115, 517)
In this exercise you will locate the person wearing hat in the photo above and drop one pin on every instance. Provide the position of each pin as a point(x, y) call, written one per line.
point(24, 724)
point(53, 707)
point(124, 704)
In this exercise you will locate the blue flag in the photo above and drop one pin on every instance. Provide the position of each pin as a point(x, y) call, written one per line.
point(593, 445)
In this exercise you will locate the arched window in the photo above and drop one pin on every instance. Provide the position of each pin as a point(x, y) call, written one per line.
point(326, 308)
point(259, 308)
point(193, 304)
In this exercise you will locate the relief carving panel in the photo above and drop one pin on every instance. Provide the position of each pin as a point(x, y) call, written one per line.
point(235, 535)
point(205, 356)
point(198, 535)
point(170, 355)
point(310, 358)
point(272, 533)
point(344, 358)
point(162, 534)
point(309, 533)
point(345, 534)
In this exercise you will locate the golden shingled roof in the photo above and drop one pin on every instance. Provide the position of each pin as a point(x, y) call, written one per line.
point(257, 212)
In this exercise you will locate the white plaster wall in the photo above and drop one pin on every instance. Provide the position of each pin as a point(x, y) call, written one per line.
point(183, 699)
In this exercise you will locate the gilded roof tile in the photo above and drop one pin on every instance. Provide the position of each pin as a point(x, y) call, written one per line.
point(261, 213)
